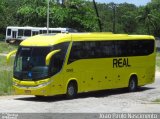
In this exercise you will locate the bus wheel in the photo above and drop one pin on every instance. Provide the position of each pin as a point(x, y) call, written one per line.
point(72, 90)
point(132, 84)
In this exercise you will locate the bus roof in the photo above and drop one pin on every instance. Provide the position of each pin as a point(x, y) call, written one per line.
point(37, 28)
point(51, 39)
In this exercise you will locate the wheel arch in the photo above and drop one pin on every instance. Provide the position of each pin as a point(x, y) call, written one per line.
point(135, 76)
point(74, 80)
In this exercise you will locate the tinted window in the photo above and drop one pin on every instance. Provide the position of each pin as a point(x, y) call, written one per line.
point(91, 49)
point(134, 48)
point(103, 49)
point(44, 31)
point(56, 31)
point(9, 32)
point(72, 30)
point(27, 33)
point(57, 60)
point(41, 32)
point(30, 63)
point(20, 32)
point(34, 33)
point(50, 31)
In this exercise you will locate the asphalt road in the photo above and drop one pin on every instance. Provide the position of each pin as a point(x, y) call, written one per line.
point(99, 102)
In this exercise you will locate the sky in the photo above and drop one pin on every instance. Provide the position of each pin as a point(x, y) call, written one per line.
point(136, 2)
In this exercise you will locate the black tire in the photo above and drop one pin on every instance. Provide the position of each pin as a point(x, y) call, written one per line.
point(132, 86)
point(71, 90)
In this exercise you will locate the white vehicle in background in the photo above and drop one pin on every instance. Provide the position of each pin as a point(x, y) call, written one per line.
point(14, 33)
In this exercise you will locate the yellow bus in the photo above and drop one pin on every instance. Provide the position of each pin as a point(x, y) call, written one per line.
point(71, 63)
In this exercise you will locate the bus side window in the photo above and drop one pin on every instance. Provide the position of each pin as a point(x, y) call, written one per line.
point(41, 32)
point(44, 31)
point(58, 59)
point(27, 32)
point(76, 52)
point(56, 63)
point(104, 49)
point(20, 32)
point(8, 32)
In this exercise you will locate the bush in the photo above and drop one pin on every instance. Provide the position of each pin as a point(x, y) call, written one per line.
point(6, 48)
point(6, 73)
point(2, 37)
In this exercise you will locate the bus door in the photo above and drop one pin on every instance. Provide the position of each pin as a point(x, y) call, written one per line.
point(14, 34)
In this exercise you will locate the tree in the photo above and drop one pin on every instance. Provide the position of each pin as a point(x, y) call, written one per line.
point(125, 15)
point(113, 7)
point(82, 15)
point(97, 14)
point(75, 14)
point(33, 13)
point(129, 22)
point(154, 5)
point(147, 18)
point(8, 14)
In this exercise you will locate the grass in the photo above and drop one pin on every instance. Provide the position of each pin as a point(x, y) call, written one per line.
point(158, 54)
point(157, 100)
point(6, 70)
point(5, 48)
point(158, 64)
point(158, 60)
point(6, 82)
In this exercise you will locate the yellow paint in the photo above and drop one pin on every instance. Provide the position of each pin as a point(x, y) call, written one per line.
point(90, 74)
point(9, 55)
point(48, 57)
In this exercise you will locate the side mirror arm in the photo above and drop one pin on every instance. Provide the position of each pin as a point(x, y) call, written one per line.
point(49, 55)
point(9, 55)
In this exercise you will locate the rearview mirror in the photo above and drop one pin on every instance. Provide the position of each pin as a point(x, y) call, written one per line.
point(9, 55)
point(48, 57)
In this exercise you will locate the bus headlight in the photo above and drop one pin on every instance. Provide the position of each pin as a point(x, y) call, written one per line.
point(44, 84)
point(32, 87)
point(15, 84)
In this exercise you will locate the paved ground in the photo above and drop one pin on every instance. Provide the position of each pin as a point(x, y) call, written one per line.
point(103, 101)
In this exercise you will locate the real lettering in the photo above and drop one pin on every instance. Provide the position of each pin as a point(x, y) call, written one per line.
point(121, 62)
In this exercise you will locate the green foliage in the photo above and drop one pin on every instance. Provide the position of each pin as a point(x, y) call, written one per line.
point(6, 82)
point(32, 13)
point(129, 23)
point(127, 14)
point(2, 37)
point(158, 60)
point(5, 48)
point(156, 101)
point(8, 9)
point(147, 18)
point(75, 14)
point(6, 70)
point(154, 5)
point(80, 14)
point(6, 76)
point(158, 64)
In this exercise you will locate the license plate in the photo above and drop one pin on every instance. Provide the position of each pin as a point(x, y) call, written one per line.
point(27, 91)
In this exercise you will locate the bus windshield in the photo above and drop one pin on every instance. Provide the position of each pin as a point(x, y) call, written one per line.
point(30, 63)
